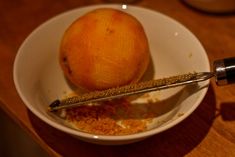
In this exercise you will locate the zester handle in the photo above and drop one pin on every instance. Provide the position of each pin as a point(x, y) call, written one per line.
point(224, 70)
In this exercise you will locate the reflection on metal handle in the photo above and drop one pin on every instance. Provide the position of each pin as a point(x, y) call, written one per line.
point(224, 71)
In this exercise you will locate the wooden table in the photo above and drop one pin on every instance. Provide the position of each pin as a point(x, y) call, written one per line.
point(209, 131)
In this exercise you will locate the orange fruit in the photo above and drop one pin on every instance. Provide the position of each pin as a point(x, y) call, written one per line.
point(104, 48)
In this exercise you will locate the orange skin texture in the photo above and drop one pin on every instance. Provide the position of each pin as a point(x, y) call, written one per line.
point(105, 48)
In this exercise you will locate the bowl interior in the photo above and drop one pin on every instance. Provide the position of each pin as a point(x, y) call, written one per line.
point(174, 50)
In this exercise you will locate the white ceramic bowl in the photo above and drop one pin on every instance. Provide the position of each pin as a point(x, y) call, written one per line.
point(175, 50)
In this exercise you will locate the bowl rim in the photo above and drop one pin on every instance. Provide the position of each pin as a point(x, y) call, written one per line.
point(105, 137)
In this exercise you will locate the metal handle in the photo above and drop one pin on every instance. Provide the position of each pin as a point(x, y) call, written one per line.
point(224, 70)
